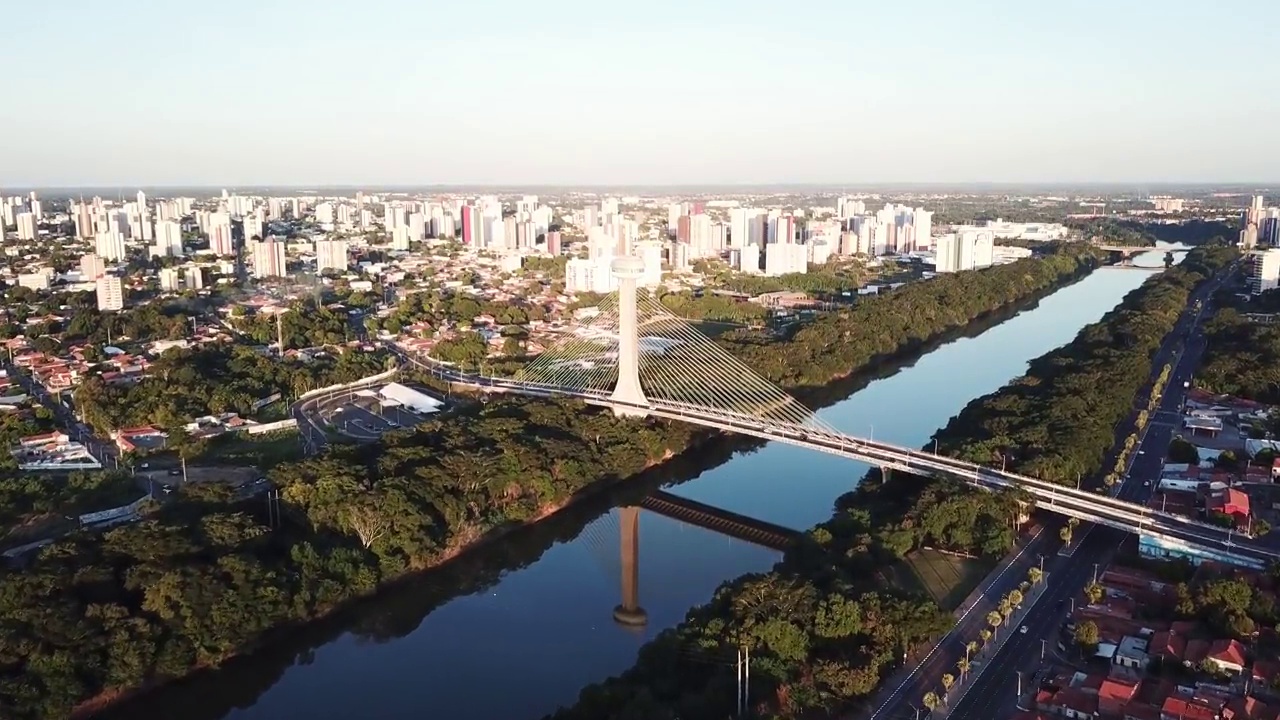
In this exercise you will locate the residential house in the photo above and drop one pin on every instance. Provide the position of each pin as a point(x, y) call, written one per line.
point(1228, 656)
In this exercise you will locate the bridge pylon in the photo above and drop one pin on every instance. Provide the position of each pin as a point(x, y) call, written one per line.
point(629, 613)
point(628, 269)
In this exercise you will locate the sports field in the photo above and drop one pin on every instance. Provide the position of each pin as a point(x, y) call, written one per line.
point(948, 579)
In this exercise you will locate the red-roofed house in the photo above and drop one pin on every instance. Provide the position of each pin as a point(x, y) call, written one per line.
point(1181, 707)
point(1227, 655)
point(1115, 693)
point(1168, 646)
point(1231, 502)
point(130, 439)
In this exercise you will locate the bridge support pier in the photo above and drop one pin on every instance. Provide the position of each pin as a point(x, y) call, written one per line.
point(886, 474)
point(628, 270)
point(630, 613)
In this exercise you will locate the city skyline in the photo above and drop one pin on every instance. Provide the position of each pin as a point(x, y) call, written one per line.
point(567, 93)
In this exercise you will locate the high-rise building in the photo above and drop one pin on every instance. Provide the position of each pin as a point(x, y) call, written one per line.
point(400, 238)
point(417, 226)
point(1264, 270)
point(27, 226)
point(782, 258)
point(252, 226)
point(472, 227)
point(91, 267)
point(110, 293)
point(219, 229)
point(194, 278)
point(553, 242)
point(964, 250)
point(168, 239)
point(331, 255)
point(109, 246)
point(268, 258)
point(84, 221)
point(170, 279)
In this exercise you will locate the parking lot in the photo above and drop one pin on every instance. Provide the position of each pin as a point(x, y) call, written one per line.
point(365, 417)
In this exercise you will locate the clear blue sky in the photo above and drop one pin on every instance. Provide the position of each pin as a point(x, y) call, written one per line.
point(240, 92)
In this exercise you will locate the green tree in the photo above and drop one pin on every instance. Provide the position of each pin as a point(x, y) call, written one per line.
point(1086, 635)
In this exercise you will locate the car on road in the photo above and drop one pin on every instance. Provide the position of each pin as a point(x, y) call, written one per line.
point(174, 472)
point(1023, 629)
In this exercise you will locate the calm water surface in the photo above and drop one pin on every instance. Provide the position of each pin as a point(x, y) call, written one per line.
point(530, 641)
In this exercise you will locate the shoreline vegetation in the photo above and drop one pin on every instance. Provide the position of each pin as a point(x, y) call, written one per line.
point(206, 578)
point(822, 629)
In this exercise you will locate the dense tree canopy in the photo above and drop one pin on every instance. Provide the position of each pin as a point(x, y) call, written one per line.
point(183, 384)
point(206, 575)
point(826, 584)
point(1058, 420)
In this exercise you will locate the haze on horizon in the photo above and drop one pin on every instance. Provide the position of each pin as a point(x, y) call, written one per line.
point(569, 92)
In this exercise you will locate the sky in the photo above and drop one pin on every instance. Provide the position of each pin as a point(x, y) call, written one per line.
point(412, 92)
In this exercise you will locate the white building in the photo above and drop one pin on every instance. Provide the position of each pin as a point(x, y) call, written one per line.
point(966, 249)
point(109, 246)
point(782, 258)
point(589, 275)
point(91, 267)
point(27, 226)
point(170, 279)
point(749, 259)
point(168, 239)
point(331, 255)
point(194, 277)
point(268, 259)
point(1264, 270)
point(110, 293)
point(39, 280)
point(650, 252)
point(252, 226)
point(219, 229)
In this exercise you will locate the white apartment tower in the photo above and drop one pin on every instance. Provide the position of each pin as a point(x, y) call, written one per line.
point(331, 255)
point(27, 226)
point(109, 246)
point(268, 259)
point(91, 267)
point(168, 239)
point(110, 293)
point(170, 279)
point(219, 229)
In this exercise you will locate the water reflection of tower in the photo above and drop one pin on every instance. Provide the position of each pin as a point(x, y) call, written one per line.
point(630, 613)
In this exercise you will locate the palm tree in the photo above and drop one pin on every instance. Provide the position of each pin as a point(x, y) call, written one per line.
point(931, 701)
point(1015, 598)
point(948, 680)
point(1035, 575)
point(964, 666)
point(985, 634)
point(970, 648)
point(1065, 534)
point(994, 619)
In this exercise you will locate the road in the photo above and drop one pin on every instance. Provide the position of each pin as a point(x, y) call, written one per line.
point(992, 695)
point(103, 449)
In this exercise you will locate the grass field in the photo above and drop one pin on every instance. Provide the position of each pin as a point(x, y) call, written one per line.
point(948, 579)
point(263, 450)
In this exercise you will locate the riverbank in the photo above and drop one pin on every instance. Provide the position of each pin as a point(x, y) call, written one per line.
point(455, 604)
point(205, 578)
point(823, 633)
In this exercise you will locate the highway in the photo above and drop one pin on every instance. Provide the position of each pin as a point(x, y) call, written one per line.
point(992, 695)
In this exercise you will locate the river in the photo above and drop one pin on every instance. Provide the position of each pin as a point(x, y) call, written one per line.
point(536, 625)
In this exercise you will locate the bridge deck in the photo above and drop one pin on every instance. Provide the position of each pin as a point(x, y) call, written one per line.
point(742, 527)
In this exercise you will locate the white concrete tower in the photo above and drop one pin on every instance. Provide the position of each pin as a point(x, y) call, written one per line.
point(628, 270)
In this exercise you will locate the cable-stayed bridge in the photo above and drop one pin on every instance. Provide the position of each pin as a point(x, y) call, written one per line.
point(638, 359)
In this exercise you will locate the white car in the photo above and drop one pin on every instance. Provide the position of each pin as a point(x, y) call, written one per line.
point(1023, 629)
